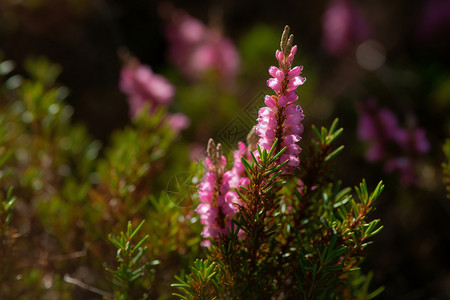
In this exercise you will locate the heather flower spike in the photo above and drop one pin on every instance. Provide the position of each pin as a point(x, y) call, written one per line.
point(218, 199)
point(281, 118)
point(143, 87)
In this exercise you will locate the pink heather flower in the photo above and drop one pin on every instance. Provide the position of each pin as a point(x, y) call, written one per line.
point(301, 189)
point(178, 121)
point(281, 118)
point(379, 127)
point(402, 166)
point(217, 53)
point(237, 176)
point(143, 86)
point(342, 26)
point(184, 34)
point(197, 151)
point(219, 201)
point(197, 49)
point(397, 147)
point(419, 141)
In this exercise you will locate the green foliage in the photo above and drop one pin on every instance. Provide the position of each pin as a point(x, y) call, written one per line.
point(72, 193)
point(129, 257)
point(6, 233)
point(6, 210)
point(248, 259)
point(122, 169)
point(201, 284)
point(177, 229)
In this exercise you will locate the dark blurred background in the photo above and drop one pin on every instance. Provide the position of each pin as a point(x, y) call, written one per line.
point(405, 67)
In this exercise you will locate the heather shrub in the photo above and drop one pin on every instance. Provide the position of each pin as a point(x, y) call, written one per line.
point(218, 182)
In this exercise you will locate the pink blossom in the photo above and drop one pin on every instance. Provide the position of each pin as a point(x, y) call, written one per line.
point(218, 54)
point(143, 86)
point(197, 49)
point(404, 167)
point(419, 141)
point(342, 26)
point(387, 142)
point(282, 118)
point(184, 33)
point(178, 121)
point(196, 151)
point(378, 127)
point(219, 201)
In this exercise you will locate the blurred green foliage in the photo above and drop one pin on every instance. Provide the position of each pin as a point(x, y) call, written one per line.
point(71, 192)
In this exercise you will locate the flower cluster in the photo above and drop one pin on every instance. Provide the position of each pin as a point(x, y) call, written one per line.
point(197, 49)
point(396, 146)
point(281, 118)
point(142, 87)
point(343, 25)
point(219, 201)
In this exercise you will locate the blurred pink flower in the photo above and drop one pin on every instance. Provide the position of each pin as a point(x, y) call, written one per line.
point(197, 151)
point(143, 86)
point(378, 127)
point(178, 121)
point(197, 49)
point(419, 141)
point(218, 54)
point(387, 141)
point(184, 34)
point(343, 25)
point(403, 167)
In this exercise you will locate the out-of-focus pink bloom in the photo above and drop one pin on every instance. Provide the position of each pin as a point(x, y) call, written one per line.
point(143, 86)
point(218, 54)
point(396, 146)
point(419, 141)
point(184, 34)
point(343, 25)
point(178, 121)
point(434, 20)
point(301, 188)
point(403, 167)
point(281, 118)
point(378, 127)
point(197, 49)
point(415, 142)
point(197, 151)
